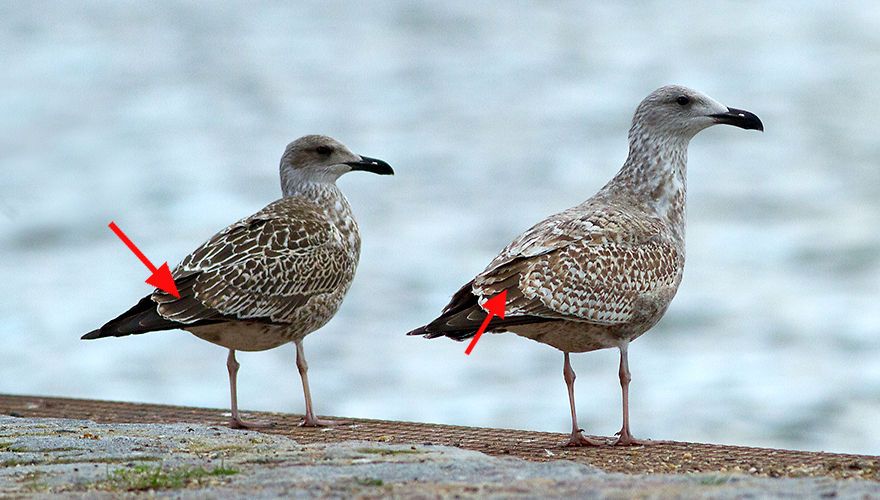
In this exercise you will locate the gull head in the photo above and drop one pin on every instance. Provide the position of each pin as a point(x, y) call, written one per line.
point(677, 112)
point(318, 158)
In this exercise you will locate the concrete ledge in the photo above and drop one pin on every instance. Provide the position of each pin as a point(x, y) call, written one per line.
point(194, 446)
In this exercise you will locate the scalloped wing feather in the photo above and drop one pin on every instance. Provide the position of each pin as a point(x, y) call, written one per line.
point(592, 268)
point(262, 268)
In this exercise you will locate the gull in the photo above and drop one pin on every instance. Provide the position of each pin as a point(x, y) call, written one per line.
point(602, 273)
point(271, 278)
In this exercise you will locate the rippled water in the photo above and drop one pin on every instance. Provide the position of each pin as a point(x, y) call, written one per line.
point(170, 118)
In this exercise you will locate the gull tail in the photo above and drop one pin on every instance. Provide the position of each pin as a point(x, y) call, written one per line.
point(450, 323)
point(462, 317)
point(141, 318)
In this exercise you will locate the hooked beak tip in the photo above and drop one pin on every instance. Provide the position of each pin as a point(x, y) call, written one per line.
point(373, 165)
point(739, 118)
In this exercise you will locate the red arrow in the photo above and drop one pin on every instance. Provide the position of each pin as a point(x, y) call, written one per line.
point(161, 277)
point(495, 307)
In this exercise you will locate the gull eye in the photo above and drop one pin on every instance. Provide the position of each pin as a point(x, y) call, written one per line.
point(683, 100)
point(324, 150)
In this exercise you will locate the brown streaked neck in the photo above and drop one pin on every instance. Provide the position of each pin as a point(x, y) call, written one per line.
point(654, 176)
point(326, 195)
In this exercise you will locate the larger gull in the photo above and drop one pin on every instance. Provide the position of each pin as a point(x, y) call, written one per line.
point(602, 273)
point(271, 278)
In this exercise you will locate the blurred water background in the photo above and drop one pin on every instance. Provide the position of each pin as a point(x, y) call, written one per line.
point(170, 117)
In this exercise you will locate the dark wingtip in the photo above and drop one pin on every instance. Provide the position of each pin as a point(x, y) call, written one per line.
point(426, 332)
point(94, 334)
point(422, 330)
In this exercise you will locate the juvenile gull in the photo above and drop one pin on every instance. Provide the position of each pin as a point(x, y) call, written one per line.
point(601, 273)
point(271, 278)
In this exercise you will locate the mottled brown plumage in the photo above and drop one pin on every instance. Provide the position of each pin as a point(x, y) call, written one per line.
point(286, 267)
point(602, 273)
point(273, 277)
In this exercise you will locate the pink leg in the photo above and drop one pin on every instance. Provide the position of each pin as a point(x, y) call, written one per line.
point(235, 422)
point(310, 420)
point(625, 437)
point(577, 435)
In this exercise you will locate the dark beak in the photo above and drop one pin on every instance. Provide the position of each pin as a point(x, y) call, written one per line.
point(739, 118)
point(371, 165)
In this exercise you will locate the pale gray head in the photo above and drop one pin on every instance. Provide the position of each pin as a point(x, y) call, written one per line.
point(676, 112)
point(318, 158)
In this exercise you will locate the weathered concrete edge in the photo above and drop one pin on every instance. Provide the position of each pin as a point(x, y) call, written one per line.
point(663, 457)
point(47, 456)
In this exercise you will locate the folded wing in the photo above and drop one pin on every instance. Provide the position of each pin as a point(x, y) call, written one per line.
point(592, 268)
point(259, 269)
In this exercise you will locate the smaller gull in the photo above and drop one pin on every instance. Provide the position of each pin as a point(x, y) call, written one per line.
point(271, 278)
point(602, 273)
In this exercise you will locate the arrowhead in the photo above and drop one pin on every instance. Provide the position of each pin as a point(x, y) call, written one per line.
point(162, 279)
point(495, 305)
